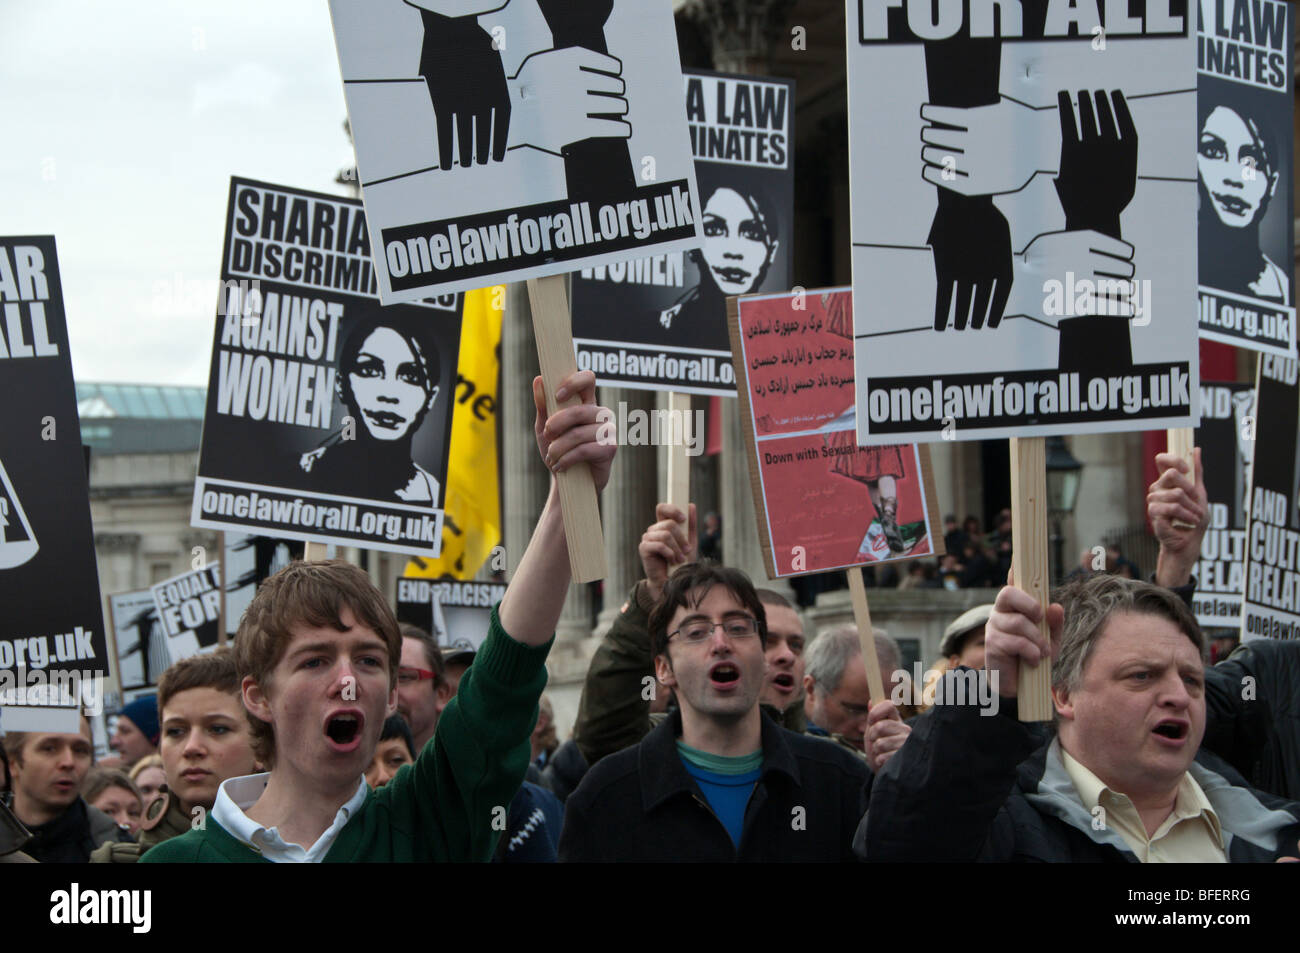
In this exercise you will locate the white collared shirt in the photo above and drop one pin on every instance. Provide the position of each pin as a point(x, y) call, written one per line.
point(236, 795)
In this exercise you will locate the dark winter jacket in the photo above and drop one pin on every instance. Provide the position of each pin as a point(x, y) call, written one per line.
point(70, 837)
point(1253, 714)
point(971, 787)
point(641, 805)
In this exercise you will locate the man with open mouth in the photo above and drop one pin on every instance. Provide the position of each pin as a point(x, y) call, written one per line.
point(716, 780)
point(1124, 777)
point(318, 652)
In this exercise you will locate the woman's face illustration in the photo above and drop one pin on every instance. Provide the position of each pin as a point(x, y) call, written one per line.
point(1234, 169)
point(736, 242)
point(388, 384)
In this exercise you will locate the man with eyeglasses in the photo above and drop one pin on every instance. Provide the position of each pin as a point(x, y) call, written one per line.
point(421, 684)
point(715, 781)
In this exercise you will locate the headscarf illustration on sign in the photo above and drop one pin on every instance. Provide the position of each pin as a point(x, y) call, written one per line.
point(17, 540)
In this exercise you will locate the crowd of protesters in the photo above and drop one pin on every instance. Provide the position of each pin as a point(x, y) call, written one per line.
point(711, 727)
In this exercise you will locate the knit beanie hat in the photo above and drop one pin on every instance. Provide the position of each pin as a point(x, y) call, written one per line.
point(143, 713)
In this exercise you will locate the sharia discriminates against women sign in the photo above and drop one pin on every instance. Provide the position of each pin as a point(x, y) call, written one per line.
point(499, 140)
point(1244, 161)
point(823, 502)
point(1023, 215)
point(661, 323)
point(52, 641)
point(328, 415)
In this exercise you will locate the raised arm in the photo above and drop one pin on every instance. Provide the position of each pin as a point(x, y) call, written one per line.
point(535, 596)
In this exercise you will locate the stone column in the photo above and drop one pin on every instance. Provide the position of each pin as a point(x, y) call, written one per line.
point(629, 505)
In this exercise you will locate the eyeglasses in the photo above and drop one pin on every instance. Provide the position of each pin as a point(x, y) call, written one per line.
point(701, 630)
point(409, 676)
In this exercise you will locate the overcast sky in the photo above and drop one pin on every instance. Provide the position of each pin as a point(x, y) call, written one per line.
point(123, 123)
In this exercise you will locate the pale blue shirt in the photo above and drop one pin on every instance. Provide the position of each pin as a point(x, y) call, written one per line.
point(236, 795)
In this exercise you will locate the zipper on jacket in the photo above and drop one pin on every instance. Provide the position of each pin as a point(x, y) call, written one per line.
point(735, 851)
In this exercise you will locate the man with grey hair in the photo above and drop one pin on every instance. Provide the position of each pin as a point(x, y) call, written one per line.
point(1123, 779)
point(838, 703)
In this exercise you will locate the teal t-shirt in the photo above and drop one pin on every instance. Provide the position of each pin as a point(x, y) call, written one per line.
point(725, 782)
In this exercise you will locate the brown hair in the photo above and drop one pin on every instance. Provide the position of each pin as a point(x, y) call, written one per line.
point(311, 594)
point(100, 779)
point(215, 670)
point(703, 576)
point(1090, 602)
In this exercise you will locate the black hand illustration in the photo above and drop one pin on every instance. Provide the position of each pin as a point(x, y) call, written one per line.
point(1098, 161)
point(593, 167)
point(467, 84)
point(972, 260)
point(970, 238)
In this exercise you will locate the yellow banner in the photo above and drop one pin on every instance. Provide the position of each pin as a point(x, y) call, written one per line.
point(472, 524)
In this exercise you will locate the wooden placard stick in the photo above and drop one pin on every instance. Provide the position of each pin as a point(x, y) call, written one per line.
point(221, 611)
point(552, 328)
point(679, 464)
point(1182, 441)
point(866, 635)
point(313, 552)
point(1029, 562)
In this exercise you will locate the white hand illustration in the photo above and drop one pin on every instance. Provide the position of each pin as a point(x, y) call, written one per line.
point(564, 96)
point(992, 149)
point(1069, 274)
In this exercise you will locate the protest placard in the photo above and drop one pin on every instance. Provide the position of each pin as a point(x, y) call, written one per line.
point(248, 561)
point(52, 638)
point(661, 323)
point(1226, 439)
point(823, 502)
point(139, 644)
point(1272, 603)
point(1244, 157)
point(1023, 215)
point(327, 414)
point(500, 140)
point(189, 610)
point(455, 613)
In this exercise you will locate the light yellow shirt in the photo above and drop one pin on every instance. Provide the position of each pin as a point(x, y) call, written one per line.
point(1190, 834)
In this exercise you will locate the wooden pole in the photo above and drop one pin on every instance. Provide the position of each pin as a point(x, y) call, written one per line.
point(551, 326)
point(312, 552)
point(1030, 568)
point(866, 636)
point(1182, 441)
point(679, 464)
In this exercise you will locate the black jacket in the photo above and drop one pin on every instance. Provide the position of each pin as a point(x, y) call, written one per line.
point(565, 770)
point(70, 837)
point(641, 805)
point(971, 787)
point(1253, 714)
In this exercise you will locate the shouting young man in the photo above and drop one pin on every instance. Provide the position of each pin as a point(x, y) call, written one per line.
point(318, 652)
point(716, 780)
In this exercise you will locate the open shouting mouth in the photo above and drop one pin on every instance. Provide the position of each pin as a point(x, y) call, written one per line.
point(783, 682)
point(1172, 732)
point(343, 730)
point(725, 676)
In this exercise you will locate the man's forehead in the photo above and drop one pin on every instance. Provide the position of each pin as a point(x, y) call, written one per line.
point(63, 738)
point(1131, 636)
point(782, 621)
point(304, 634)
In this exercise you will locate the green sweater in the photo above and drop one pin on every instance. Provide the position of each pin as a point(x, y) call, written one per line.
point(451, 804)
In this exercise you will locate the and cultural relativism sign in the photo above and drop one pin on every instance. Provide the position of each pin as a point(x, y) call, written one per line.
point(823, 502)
point(189, 610)
point(1272, 604)
point(1226, 437)
point(1244, 156)
point(1023, 217)
point(661, 323)
point(500, 140)
point(52, 639)
point(327, 414)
